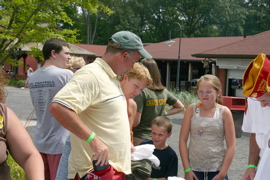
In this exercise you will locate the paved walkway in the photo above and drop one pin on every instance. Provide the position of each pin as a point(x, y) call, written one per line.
point(19, 101)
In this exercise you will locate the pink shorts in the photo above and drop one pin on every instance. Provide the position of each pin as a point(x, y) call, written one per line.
point(108, 174)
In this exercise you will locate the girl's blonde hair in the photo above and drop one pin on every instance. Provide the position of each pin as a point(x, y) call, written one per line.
point(215, 82)
point(139, 72)
point(76, 62)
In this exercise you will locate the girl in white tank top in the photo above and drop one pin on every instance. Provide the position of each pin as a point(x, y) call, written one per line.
point(210, 129)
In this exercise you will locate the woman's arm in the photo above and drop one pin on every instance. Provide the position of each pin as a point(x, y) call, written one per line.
point(22, 149)
point(184, 134)
point(176, 108)
point(230, 142)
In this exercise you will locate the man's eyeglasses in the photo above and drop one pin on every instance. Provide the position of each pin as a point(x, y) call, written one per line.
point(206, 92)
point(261, 101)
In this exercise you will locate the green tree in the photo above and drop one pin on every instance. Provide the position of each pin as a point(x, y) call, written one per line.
point(149, 19)
point(25, 21)
point(86, 20)
point(258, 17)
point(157, 18)
point(194, 15)
point(91, 20)
point(123, 18)
point(229, 17)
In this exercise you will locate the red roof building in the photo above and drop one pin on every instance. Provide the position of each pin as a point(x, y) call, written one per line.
point(232, 60)
point(226, 57)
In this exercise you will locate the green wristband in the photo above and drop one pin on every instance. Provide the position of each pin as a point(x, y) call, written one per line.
point(154, 178)
point(91, 137)
point(166, 114)
point(251, 166)
point(187, 170)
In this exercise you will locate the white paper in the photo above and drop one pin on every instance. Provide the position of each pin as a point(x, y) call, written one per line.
point(145, 151)
point(175, 178)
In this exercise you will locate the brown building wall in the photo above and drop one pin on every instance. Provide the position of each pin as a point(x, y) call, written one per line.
point(222, 74)
point(22, 69)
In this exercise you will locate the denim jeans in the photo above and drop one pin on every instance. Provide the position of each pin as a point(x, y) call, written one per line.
point(207, 175)
point(62, 172)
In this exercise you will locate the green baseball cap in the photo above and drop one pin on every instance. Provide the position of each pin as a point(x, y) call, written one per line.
point(128, 40)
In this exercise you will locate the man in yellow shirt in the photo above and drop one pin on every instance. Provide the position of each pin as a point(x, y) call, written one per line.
point(92, 106)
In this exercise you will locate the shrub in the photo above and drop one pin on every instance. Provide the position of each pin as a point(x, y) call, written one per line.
point(16, 171)
point(186, 97)
point(16, 82)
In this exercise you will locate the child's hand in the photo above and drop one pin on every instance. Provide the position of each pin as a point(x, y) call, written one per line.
point(190, 176)
point(132, 148)
point(217, 177)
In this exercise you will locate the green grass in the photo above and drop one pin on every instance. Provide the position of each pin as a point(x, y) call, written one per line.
point(16, 171)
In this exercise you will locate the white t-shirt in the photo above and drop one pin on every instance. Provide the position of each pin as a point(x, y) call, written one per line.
point(257, 120)
point(29, 72)
point(263, 172)
point(50, 135)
